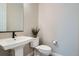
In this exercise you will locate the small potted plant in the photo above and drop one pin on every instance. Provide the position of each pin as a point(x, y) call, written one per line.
point(35, 32)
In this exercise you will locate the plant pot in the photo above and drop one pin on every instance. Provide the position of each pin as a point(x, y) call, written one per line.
point(35, 36)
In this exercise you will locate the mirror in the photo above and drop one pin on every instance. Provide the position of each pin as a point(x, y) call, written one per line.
point(11, 17)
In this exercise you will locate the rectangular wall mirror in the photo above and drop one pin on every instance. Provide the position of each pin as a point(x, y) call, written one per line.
point(11, 17)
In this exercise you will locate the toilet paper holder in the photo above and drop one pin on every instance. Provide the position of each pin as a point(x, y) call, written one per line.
point(55, 42)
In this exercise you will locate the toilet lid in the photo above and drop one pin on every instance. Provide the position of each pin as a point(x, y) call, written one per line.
point(43, 47)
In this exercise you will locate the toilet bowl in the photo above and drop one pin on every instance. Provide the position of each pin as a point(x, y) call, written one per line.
point(43, 49)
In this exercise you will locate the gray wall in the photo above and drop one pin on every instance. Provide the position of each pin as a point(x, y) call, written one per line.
point(30, 20)
point(60, 22)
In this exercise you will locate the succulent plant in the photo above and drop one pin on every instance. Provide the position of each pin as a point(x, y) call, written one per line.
point(35, 31)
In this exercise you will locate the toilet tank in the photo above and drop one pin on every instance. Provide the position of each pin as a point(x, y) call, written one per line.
point(35, 42)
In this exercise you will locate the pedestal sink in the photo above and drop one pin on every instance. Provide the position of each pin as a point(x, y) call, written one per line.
point(17, 44)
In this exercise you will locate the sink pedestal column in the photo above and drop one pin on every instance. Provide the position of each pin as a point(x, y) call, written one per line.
point(19, 51)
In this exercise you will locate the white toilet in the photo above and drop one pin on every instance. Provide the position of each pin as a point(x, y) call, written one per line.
point(43, 49)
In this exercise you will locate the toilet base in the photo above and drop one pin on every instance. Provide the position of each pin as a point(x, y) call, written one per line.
point(37, 53)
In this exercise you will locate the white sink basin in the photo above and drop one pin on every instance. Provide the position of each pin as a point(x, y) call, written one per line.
point(10, 43)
